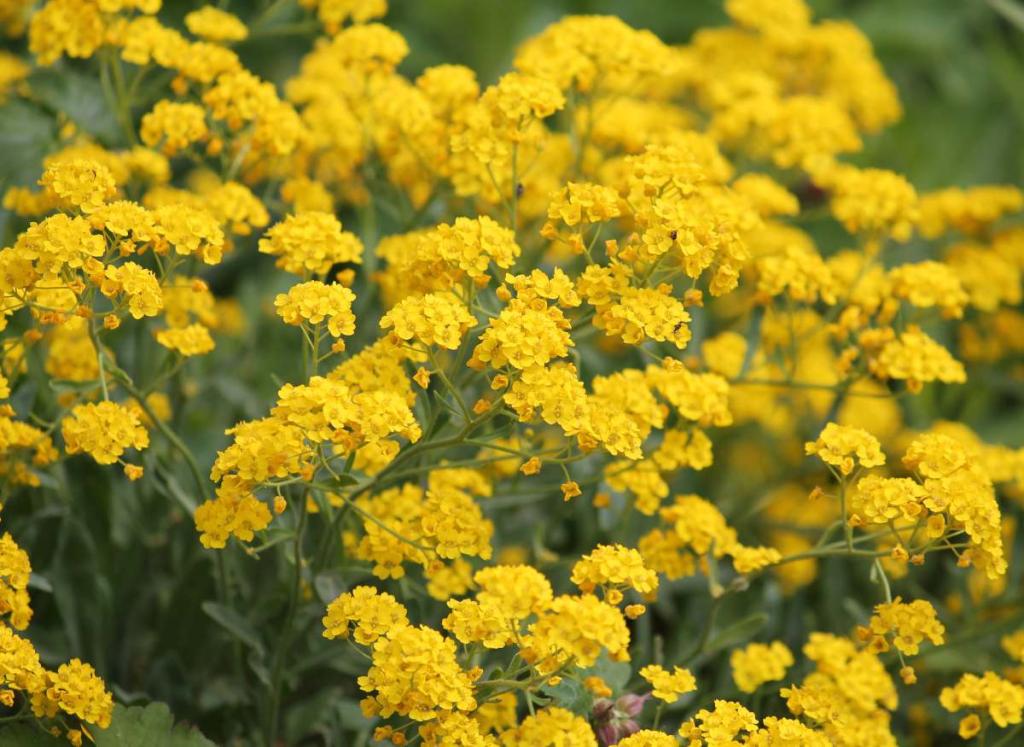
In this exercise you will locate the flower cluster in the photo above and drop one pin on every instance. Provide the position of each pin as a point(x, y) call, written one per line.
point(616, 365)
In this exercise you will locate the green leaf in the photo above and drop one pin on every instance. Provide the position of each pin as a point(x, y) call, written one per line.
point(614, 673)
point(570, 694)
point(151, 725)
point(1011, 10)
point(78, 96)
point(329, 585)
point(737, 633)
point(61, 386)
point(258, 668)
point(36, 581)
point(344, 481)
point(27, 133)
point(169, 486)
point(235, 624)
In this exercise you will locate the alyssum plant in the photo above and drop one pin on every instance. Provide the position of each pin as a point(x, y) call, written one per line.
point(630, 411)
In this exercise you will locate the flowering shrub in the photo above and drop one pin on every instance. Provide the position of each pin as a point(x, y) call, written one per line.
point(610, 403)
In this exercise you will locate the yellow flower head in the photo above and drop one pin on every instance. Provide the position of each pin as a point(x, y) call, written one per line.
point(846, 447)
point(668, 686)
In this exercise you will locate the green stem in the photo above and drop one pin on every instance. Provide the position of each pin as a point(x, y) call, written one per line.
point(883, 579)
point(787, 384)
point(94, 336)
point(284, 641)
point(171, 436)
point(705, 634)
point(847, 529)
point(122, 105)
point(449, 386)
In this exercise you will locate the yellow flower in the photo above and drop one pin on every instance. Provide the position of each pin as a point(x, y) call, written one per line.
point(313, 302)
point(531, 466)
point(570, 490)
point(552, 725)
point(968, 210)
point(84, 184)
point(473, 621)
point(453, 728)
point(434, 319)
point(927, 284)
point(583, 202)
point(752, 559)
point(523, 336)
point(703, 398)
point(216, 25)
point(1001, 699)
point(75, 689)
point(668, 686)
point(174, 126)
point(918, 359)
point(846, 447)
point(575, 628)
point(724, 723)
point(759, 663)
point(414, 673)
point(614, 566)
point(235, 511)
point(365, 613)
point(15, 570)
point(910, 623)
point(188, 341)
point(333, 13)
point(138, 285)
point(104, 431)
point(65, 27)
point(311, 242)
point(518, 590)
point(870, 201)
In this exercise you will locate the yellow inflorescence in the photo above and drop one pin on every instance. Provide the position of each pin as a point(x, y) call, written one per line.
point(544, 420)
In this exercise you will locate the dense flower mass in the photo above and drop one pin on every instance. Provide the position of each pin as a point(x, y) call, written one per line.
point(630, 404)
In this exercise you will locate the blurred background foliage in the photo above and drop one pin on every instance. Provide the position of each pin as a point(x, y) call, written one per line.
point(121, 578)
point(958, 64)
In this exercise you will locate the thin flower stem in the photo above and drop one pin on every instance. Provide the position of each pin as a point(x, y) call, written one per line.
point(847, 529)
point(100, 355)
point(449, 386)
point(705, 633)
point(171, 436)
point(285, 639)
point(657, 716)
point(786, 384)
point(883, 579)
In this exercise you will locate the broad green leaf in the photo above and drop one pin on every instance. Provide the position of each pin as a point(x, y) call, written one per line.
point(570, 694)
point(151, 725)
point(80, 97)
point(235, 624)
point(329, 585)
point(614, 673)
point(27, 134)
